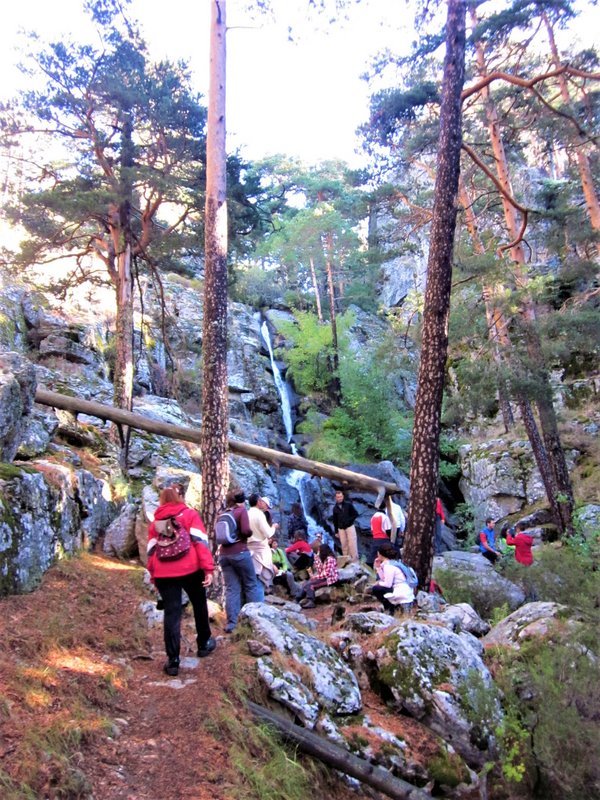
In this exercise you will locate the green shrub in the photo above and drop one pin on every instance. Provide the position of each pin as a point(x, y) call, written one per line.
point(550, 738)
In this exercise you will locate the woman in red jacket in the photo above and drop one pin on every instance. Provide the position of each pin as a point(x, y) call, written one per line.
point(191, 571)
point(522, 543)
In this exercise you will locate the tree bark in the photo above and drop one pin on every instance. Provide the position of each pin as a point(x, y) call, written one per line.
point(339, 758)
point(560, 484)
point(122, 244)
point(215, 395)
point(335, 362)
point(583, 162)
point(418, 544)
point(313, 277)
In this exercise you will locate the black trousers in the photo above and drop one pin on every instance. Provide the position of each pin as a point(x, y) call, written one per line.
point(378, 592)
point(170, 591)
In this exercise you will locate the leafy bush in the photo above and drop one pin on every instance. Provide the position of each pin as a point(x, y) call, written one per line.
point(256, 286)
point(550, 739)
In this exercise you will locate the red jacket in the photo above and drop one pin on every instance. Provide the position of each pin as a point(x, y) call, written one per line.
point(301, 547)
point(439, 510)
point(198, 556)
point(522, 543)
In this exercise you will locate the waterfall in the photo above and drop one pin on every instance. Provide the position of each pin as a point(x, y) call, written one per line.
point(296, 478)
point(282, 388)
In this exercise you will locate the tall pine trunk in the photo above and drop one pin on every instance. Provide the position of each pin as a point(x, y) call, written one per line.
point(215, 397)
point(418, 544)
point(558, 490)
point(583, 163)
point(496, 323)
point(121, 235)
point(313, 277)
point(336, 389)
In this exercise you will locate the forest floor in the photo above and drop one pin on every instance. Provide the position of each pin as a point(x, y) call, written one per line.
point(86, 711)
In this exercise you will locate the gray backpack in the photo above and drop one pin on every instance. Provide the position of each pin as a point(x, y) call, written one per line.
point(226, 529)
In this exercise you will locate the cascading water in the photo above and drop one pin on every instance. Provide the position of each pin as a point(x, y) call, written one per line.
point(296, 478)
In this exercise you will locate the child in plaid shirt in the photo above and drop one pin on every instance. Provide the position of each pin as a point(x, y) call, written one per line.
point(324, 572)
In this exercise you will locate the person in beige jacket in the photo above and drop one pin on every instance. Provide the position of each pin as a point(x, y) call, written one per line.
point(258, 543)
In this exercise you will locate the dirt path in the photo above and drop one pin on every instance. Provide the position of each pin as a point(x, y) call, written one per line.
point(78, 662)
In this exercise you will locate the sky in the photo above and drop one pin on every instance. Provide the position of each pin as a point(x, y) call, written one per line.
point(303, 98)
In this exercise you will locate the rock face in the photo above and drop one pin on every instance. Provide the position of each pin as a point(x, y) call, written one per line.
point(44, 514)
point(436, 675)
point(17, 388)
point(588, 520)
point(331, 686)
point(500, 478)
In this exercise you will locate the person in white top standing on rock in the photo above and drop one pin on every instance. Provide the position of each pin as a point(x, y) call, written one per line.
point(258, 543)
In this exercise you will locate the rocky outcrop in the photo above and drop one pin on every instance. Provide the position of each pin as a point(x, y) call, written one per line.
point(533, 620)
point(435, 675)
point(500, 478)
point(308, 676)
point(17, 388)
point(46, 511)
point(473, 575)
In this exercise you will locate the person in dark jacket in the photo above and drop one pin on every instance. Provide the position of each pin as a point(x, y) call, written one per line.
point(343, 517)
point(192, 572)
point(296, 521)
point(239, 575)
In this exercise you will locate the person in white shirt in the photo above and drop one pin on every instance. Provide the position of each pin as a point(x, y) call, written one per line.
point(392, 587)
point(258, 543)
point(396, 515)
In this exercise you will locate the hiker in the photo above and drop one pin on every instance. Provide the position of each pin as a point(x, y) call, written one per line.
point(324, 572)
point(505, 548)
point(299, 553)
point(392, 588)
point(487, 542)
point(523, 542)
point(258, 543)
point(398, 520)
point(239, 575)
point(190, 570)
point(283, 569)
point(343, 516)
point(380, 531)
point(440, 520)
point(296, 521)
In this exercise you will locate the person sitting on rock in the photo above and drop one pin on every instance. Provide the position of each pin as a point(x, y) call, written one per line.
point(487, 542)
point(505, 548)
point(300, 554)
point(283, 570)
point(392, 588)
point(296, 521)
point(324, 572)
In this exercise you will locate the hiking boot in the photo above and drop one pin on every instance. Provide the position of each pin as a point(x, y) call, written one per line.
point(230, 627)
point(306, 603)
point(172, 667)
point(208, 648)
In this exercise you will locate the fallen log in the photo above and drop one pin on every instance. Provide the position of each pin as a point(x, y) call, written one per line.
point(342, 477)
point(338, 758)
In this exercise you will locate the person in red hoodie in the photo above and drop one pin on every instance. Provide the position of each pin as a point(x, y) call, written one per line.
point(523, 543)
point(192, 571)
